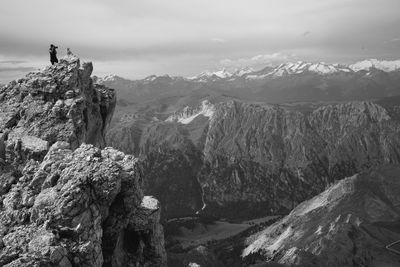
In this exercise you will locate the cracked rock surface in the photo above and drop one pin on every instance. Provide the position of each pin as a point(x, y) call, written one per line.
point(65, 200)
point(59, 103)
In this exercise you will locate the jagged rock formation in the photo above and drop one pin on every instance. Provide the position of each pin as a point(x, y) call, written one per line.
point(251, 160)
point(349, 224)
point(80, 208)
point(57, 104)
point(63, 202)
point(280, 157)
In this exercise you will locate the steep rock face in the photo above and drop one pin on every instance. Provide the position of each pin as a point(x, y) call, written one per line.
point(171, 164)
point(251, 160)
point(65, 203)
point(172, 177)
point(81, 207)
point(281, 157)
point(350, 224)
point(248, 153)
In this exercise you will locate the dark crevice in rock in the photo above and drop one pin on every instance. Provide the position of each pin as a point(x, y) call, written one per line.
point(104, 112)
point(86, 118)
point(132, 241)
point(113, 230)
point(13, 121)
point(8, 258)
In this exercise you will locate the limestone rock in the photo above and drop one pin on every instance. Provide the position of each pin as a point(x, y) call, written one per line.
point(91, 212)
point(349, 224)
point(59, 103)
point(279, 156)
point(64, 201)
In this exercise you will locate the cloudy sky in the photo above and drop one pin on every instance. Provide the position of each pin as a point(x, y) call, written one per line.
point(137, 38)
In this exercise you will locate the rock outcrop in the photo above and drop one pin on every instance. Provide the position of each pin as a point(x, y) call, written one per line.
point(65, 201)
point(60, 103)
point(352, 223)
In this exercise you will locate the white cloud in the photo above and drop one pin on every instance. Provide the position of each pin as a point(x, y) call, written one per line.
point(218, 40)
point(11, 68)
point(175, 36)
point(257, 61)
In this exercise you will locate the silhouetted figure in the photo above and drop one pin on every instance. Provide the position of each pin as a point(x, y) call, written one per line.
point(53, 54)
point(69, 53)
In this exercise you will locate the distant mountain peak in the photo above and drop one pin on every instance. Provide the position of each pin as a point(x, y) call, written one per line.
point(150, 78)
point(206, 75)
point(243, 71)
point(302, 67)
point(107, 78)
point(155, 77)
point(111, 77)
point(284, 69)
point(384, 65)
point(222, 74)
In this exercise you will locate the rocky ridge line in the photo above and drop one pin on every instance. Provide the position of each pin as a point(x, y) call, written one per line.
point(64, 201)
point(349, 224)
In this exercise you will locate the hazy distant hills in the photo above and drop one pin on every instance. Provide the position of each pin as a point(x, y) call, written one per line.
point(300, 81)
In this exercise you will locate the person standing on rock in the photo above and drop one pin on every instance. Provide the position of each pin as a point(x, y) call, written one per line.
point(53, 54)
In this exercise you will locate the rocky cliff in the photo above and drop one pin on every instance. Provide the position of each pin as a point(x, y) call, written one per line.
point(59, 103)
point(352, 223)
point(280, 156)
point(64, 201)
point(251, 160)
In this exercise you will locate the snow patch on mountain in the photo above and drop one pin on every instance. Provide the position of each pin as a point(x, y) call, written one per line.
point(385, 65)
point(272, 245)
point(301, 67)
point(257, 76)
point(243, 71)
point(150, 78)
point(188, 114)
point(206, 75)
point(107, 78)
point(290, 68)
point(221, 74)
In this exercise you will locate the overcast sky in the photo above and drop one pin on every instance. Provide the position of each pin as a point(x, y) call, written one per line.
point(137, 38)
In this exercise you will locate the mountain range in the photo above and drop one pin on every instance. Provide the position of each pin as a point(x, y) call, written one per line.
point(264, 124)
point(289, 82)
point(299, 67)
point(246, 144)
point(314, 146)
point(355, 222)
